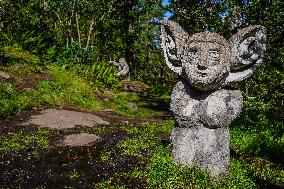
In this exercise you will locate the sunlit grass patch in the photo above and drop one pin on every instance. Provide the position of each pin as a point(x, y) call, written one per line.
point(13, 101)
point(163, 173)
point(130, 104)
point(256, 142)
point(146, 138)
point(65, 89)
point(20, 142)
point(16, 52)
point(105, 156)
point(135, 147)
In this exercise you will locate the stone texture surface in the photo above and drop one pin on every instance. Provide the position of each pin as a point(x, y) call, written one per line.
point(122, 66)
point(206, 65)
point(64, 119)
point(205, 148)
point(81, 139)
point(213, 109)
point(207, 60)
point(247, 50)
point(203, 108)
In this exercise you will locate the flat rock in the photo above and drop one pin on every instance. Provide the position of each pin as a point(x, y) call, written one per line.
point(81, 139)
point(64, 119)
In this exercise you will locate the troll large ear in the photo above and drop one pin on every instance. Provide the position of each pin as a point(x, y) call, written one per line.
point(174, 40)
point(247, 50)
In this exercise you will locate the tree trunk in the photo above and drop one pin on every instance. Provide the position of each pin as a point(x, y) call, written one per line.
point(90, 32)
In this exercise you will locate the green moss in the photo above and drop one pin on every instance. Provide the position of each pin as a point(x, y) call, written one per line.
point(16, 52)
point(105, 156)
point(21, 142)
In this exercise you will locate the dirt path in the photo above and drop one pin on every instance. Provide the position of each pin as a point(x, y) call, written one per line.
point(64, 120)
point(83, 152)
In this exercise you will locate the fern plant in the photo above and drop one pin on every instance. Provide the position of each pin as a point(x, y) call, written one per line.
point(101, 74)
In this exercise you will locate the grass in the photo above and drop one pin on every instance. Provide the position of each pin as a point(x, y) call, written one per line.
point(16, 52)
point(261, 151)
point(66, 89)
point(105, 156)
point(145, 140)
point(21, 142)
point(161, 172)
point(130, 104)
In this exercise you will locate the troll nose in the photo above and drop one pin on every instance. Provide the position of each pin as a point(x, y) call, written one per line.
point(202, 63)
point(201, 67)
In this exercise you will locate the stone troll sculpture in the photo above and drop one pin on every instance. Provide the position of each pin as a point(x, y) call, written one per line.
point(203, 108)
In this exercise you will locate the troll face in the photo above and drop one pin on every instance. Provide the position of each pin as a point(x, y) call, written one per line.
point(208, 61)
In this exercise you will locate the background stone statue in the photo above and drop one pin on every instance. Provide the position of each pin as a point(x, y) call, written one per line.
point(122, 66)
point(202, 106)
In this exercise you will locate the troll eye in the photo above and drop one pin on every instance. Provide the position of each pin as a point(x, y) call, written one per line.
point(193, 54)
point(214, 55)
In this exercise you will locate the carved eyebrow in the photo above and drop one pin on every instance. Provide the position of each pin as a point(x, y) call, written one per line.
point(214, 49)
point(194, 49)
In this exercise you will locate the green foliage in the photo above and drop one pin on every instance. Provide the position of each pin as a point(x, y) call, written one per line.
point(163, 173)
point(146, 140)
point(21, 142)
point(130, 104)
point(72, 32)
point(105, 156)
point(16, 52)
point(75, 54)
point(74, 174)
point(113, 29)
point(65, 89)
point(198, 16)
point(135, 147)
point(10, 100)
point(257, 141)
point(101, 74)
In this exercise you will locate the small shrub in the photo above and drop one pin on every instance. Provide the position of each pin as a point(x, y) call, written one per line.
point(101, 74)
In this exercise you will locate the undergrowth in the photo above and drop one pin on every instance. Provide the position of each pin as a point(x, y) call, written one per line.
point(77, 86)
point(65, 89)
point(130, 104)
point(147, 144)
point(17, 53)
point(19, 141)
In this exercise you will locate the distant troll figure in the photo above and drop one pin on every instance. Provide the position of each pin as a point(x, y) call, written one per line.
point(202, 107)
